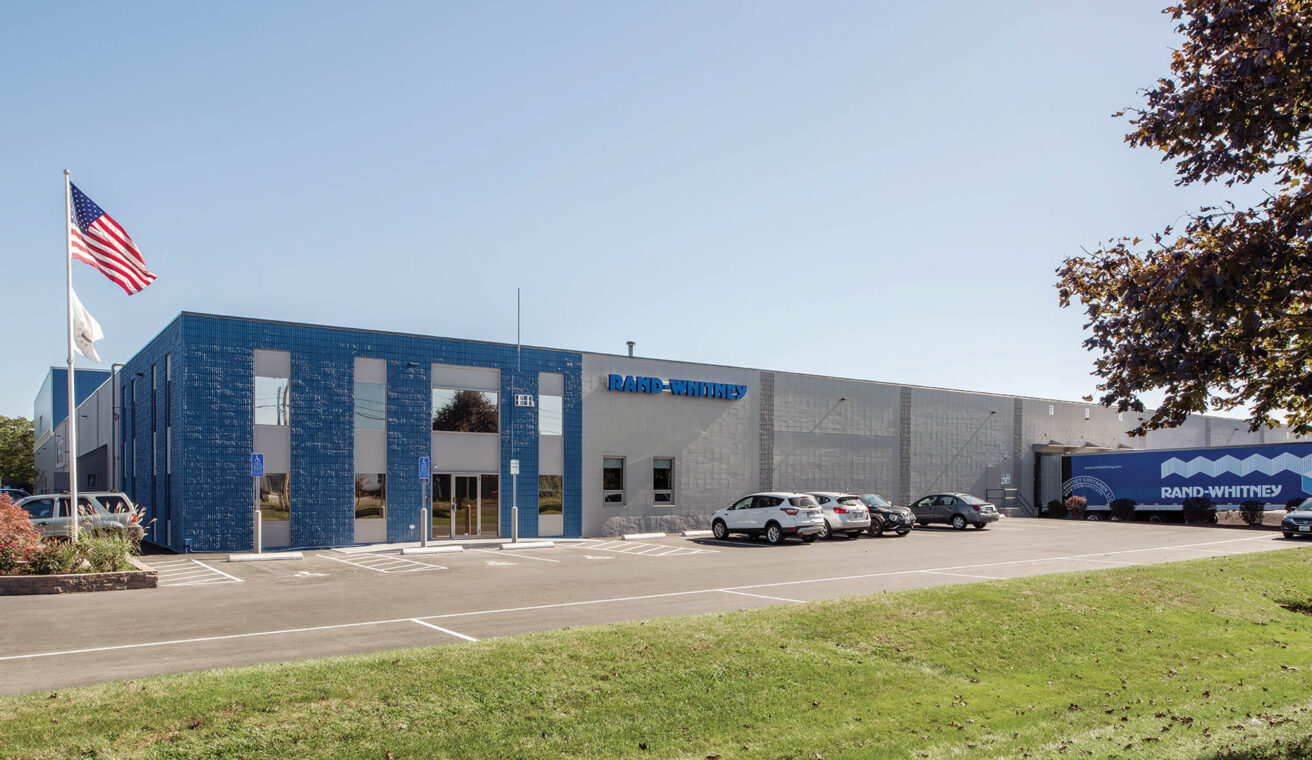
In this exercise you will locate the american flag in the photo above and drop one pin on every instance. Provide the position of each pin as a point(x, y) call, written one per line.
point(98, 240)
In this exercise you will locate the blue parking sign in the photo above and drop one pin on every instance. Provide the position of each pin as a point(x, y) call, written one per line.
point(257, 465)
point(424, 469)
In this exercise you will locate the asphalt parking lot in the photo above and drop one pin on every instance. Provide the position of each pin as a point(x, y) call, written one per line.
point(209, 612)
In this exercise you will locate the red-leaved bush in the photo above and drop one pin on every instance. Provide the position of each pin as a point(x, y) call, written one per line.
point(18, 539)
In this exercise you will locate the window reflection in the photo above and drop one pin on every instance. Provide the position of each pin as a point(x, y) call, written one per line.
point(550, 415)
point(370, 406)
point(272, 406)
point(370, 496)
point(457, 410)
point(275, 497)
point(551, 495)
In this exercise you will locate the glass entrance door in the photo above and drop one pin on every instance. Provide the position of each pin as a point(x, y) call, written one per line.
point(465, 506)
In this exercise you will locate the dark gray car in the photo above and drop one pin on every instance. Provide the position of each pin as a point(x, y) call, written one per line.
point(886, 517)
point(955, 509)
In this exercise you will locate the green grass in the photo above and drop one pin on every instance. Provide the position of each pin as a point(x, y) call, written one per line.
point(1202, 659)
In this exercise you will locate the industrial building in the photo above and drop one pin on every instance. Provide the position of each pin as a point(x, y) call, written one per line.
point(578, 443)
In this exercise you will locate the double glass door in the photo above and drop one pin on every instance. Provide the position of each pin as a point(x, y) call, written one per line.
point(465, 506)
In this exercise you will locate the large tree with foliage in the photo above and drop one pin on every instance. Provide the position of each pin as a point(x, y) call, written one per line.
point(1217, 313)
point(17, 463)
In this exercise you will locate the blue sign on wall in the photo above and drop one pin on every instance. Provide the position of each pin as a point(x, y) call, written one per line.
point(1231, 476)
point(693, 388)
point(424, 469)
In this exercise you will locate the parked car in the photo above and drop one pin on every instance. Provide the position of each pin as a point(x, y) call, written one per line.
point(96, 509)
point(884, 516)
point(14, 493)
point(775, 515)
point(955, 509)
point(844, 513)
point(1299, 522)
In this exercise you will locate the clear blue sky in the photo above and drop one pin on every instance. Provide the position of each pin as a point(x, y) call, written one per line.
point(860, 189)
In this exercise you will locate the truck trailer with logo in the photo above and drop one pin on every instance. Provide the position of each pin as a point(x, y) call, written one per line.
point(1160, 480)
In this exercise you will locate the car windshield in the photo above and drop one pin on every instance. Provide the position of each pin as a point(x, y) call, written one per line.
point(970, 499)
point(850, 501)
point(875, 500)
point(802, 501)
point(1305, 507)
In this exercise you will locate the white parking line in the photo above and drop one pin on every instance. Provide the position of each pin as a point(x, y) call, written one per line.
point(443, 630)
point(636, 549)
point(190, 572)
point(592, 602)
point(381, 564)
point(962, 575)
point(760, 596)
point(515, 554)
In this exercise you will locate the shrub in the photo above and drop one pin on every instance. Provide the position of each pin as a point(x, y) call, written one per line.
point(18, 539)
point(54, 557)
point(1199, 509)
point(1123, 509)
point(1075, 506)
point(1294, 503)
point(1252, 511)
point(1055, 509)
point(105, 551)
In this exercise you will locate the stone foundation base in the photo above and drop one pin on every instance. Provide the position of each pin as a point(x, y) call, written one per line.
point(143, 577)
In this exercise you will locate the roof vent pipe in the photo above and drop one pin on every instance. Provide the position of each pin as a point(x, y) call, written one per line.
point(631, 345)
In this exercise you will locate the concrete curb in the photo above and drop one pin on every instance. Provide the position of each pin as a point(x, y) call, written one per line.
point(432, 549)
point(271, 557)
point(528, 545)
point(640, 536)
point(697, 533)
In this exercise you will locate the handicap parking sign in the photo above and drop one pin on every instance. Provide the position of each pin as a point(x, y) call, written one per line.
point(257, 465)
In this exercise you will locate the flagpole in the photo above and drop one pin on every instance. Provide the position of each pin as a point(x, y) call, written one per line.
point(72, 397)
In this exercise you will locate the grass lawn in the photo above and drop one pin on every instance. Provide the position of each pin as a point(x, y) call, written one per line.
point(1188, 660)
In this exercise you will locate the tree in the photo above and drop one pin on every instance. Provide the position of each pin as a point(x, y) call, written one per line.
point(467, 412)
point(17, 459)
point(1219, 313)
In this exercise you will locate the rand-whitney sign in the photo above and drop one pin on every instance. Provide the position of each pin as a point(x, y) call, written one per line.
point(692, 388)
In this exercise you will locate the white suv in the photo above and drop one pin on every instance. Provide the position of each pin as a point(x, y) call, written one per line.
point(776, 516)
point(844, 513)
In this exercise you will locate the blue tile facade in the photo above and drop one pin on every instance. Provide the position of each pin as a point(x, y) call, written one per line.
point(212, 398)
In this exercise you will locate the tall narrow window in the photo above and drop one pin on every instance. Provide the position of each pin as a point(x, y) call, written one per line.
point(662, 481)
point(612, 481)
point(370, 406)
point(275, 498)
point(550, 417)
point(370, 496)
point(272, 401)
point(551, 495)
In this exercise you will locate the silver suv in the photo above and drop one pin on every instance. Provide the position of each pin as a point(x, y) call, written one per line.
point(776, 516)
point(844, 513)
point(955, 509)
point(96, 509)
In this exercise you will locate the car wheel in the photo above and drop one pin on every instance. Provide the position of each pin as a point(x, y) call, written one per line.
point(825, 531)
point(981, 526)
point(720, 530)
point(923, 523)
point(876, 526)
point(774, 535)
point(904, 532)
point(854, 534)
point(1289, 535)
point(1092, 516)
point(1155, 519)
point(808, 539)
point(959, 522)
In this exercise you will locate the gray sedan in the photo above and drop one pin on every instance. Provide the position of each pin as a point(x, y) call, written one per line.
point(955, 509)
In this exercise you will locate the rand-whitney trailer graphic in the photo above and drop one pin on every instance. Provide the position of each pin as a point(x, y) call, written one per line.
point(1162, 479)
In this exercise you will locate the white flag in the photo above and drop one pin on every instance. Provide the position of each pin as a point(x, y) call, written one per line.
point(86, 330)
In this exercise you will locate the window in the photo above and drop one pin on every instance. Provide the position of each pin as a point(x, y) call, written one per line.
point(272, 406)
point(662, 481)
point(551, 495)
point(370, 496)
point(40, 508)
point(370, 406)
point(743, 503)
point(456, 410)
point(612, 480)
point(802, 501)
point(550, 415)
point(275, 497)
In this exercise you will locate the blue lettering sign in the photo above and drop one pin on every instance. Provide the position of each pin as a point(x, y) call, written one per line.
point(676, 387)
